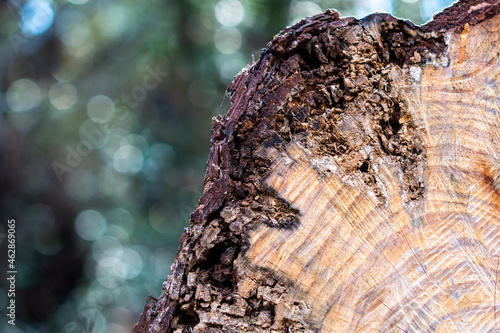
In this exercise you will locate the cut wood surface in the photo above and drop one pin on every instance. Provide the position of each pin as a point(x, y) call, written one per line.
point(353, 187)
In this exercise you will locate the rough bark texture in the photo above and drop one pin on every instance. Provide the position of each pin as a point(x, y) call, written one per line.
point(353, 185)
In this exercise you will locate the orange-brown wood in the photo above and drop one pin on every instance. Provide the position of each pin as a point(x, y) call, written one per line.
point(354, 185)
point(428, 266)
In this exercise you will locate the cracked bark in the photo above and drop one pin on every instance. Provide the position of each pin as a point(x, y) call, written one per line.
point(353, 185)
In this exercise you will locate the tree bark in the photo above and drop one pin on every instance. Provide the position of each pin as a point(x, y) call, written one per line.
point(353, 185)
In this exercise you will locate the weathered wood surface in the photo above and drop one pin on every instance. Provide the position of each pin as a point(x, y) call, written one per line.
point(353, 186)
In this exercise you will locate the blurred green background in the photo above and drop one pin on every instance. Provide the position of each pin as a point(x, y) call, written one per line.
point(105, 121)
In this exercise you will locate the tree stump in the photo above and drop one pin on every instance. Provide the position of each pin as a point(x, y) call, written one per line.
point(353, 185)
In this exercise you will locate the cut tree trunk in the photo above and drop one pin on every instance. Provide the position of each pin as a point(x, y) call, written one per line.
point(353, 185)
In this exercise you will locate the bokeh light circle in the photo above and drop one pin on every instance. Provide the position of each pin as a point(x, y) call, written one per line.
point(227, 39)
point(131, 264)
point(301, 9)
point(100, 109)
point(36, 17)
point(62, 95)
point(128, 159)
point(23, 95)
point(90, 225)
point(112, 20)
point(229, 12)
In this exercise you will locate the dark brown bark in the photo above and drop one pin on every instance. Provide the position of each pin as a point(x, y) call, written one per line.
point(333, 85)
